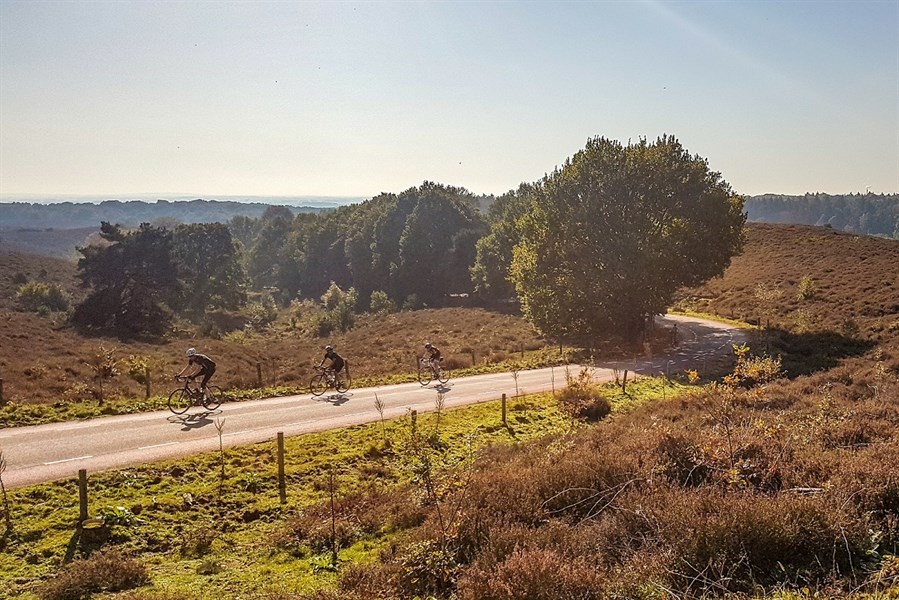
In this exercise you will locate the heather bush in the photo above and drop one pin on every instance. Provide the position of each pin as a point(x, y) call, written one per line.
point(534, 574)
point(735, 541)
point(681, 461)
point(107, 571)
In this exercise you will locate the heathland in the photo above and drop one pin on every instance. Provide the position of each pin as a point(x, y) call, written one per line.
point(777, 479)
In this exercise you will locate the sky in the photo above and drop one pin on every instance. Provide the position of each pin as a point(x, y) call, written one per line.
point(358, 98)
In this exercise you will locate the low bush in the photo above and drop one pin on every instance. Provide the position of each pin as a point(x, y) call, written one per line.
point(582, 399)
point(37, 297)
point(534, 574)
point(107, 571)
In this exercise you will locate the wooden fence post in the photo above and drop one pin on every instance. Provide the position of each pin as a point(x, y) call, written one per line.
point(2, 399)
point(259, 374)
point(504, 409)
point(414, 419)
point(147, 390)
point(282, 484)
point(82, 495)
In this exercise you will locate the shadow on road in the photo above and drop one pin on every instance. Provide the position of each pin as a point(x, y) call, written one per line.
point(440, 387)
point(194, 421)
point(334, 399)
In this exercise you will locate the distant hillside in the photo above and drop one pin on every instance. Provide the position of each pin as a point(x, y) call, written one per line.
point(869, 214)
point(57, 243)
point(70, 215)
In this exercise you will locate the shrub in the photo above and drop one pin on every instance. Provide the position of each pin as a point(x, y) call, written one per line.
point(808, 289)
point(428, 568)
point(37, 297)
point(583, 399)
point(681, 462)
point(338, 306)
point(381, 303)
point(735, 541)
point(411, 303)
point(107, 571)
point(262, 313)
point(753, 370)
point(534, 574)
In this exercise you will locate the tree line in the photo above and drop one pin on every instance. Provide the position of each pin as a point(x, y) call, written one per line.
point(594, 247)
point(868, 214)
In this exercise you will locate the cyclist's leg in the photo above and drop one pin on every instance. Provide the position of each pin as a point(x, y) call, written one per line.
point(206, 377)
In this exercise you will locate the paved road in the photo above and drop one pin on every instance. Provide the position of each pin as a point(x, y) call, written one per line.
point(48, 452)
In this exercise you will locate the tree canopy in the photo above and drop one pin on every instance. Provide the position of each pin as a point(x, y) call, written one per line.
point(605, 241)
point(134, 280)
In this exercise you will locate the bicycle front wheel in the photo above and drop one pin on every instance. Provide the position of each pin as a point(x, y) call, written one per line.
point(213, 397)
point(425, 374)
point(318, 385)
point(179, 401)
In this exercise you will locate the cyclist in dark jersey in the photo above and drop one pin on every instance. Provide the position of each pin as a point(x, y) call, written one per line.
point(205, 367)
point(337, 361)
point(432, 352)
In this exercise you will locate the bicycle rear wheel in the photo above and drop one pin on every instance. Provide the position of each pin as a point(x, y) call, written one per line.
point(318, 385)
point(425, 373)
point(213, 397)
point(442, 376)
point(342, 384)
point(179, 401)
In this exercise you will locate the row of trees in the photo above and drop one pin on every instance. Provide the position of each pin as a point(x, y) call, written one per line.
point(869, 214)
point(593, 247)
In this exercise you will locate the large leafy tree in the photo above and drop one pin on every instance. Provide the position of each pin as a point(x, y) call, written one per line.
point(133, 279)
point(607, 239)
point(490, 273)
point(210, 265)
point(437, 246)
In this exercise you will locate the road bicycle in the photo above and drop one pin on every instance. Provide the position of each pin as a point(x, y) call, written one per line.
point(326, 378)
point(429, 370)
point(184, 397)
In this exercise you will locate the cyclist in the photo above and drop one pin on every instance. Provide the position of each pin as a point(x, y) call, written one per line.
point(205, 367)
point(432, 353)
point(337, 361)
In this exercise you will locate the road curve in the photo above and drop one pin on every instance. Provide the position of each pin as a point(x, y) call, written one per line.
point(42, 453)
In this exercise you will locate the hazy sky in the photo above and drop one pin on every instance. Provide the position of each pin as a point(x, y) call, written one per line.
point(290, 98)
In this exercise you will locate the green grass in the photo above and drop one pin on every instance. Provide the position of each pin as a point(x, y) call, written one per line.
point(165, 509)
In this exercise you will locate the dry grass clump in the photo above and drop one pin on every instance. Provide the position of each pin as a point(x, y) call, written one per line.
point(105, 571)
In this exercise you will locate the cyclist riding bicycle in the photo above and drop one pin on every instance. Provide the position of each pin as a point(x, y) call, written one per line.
point(432, 353)
point(205, 367)
point(337, 361)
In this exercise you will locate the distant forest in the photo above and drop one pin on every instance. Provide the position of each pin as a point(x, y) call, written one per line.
point(869, 214)
point(131, 213)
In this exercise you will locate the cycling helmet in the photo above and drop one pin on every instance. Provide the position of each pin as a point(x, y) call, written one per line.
point(427, 344)
point(191, 351)
point(329, 348)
